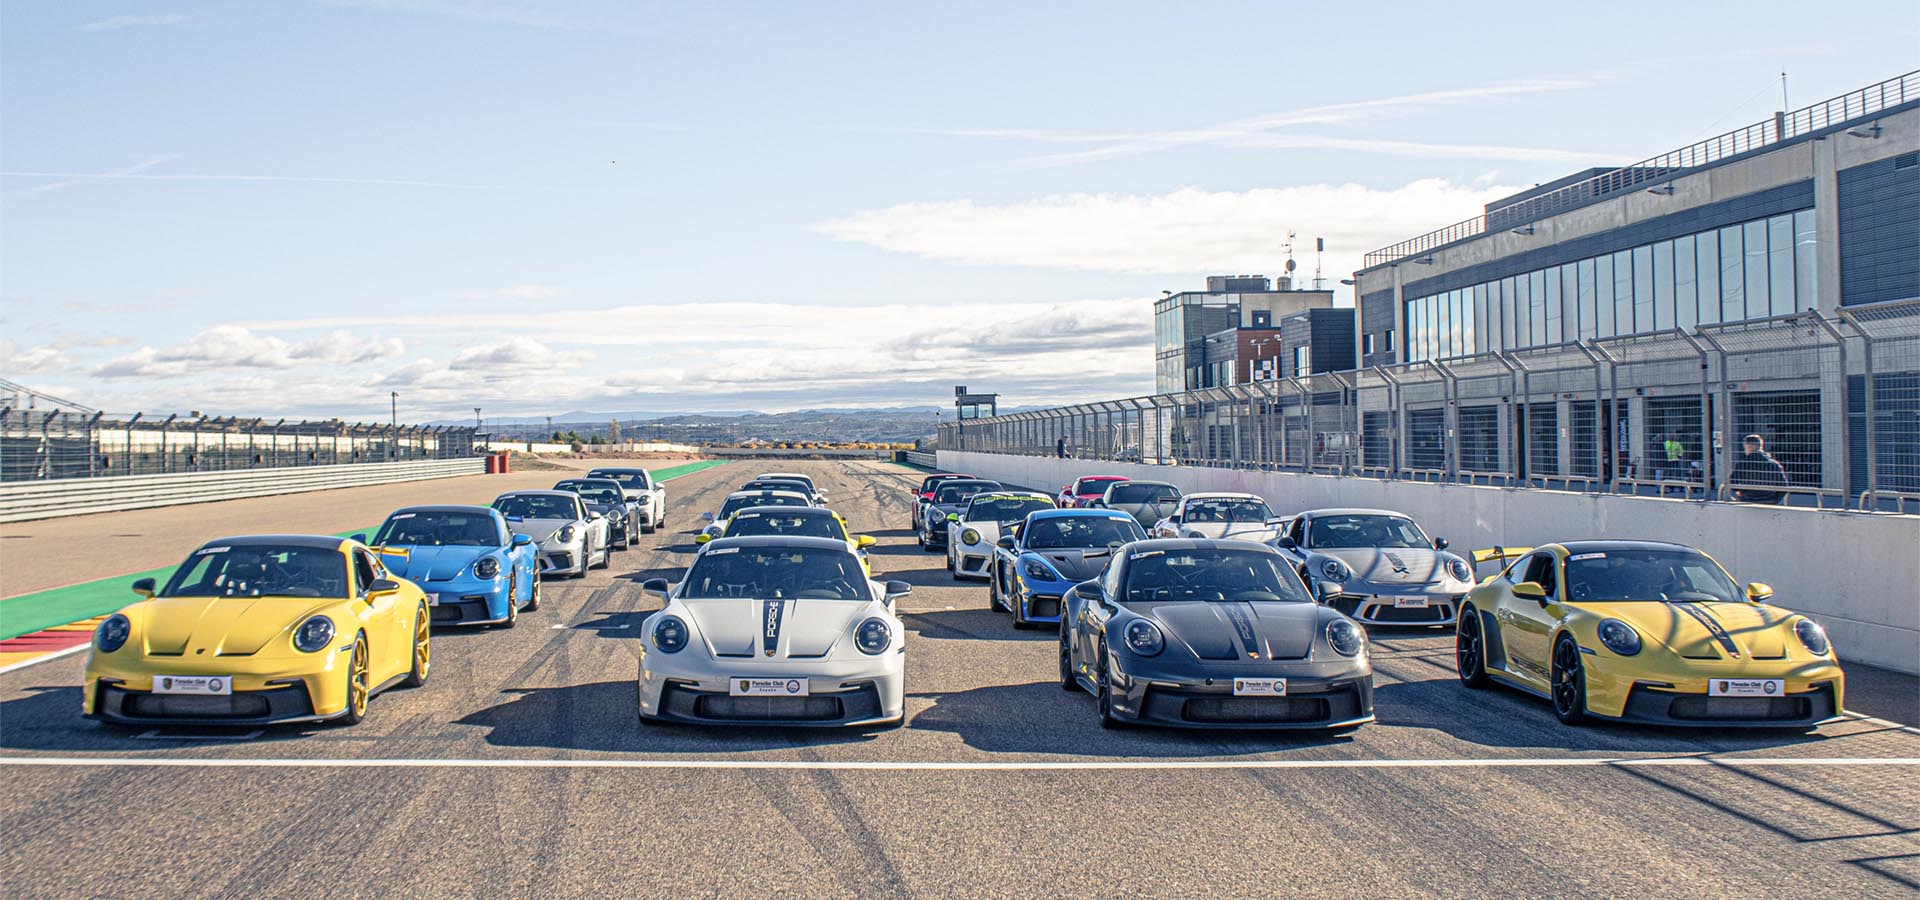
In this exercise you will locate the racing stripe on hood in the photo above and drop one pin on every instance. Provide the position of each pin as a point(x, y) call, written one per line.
point(1720, 635)
point(770, 612)
point(1243, 627)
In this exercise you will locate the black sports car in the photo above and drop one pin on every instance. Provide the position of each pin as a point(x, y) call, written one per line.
point(1201, 633)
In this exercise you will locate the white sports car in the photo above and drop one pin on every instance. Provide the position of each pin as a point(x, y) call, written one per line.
point(570, 538)
point(1219, 515)
point(774, 630)
point(974, 530)
point(645, 494)
point(1381, 567)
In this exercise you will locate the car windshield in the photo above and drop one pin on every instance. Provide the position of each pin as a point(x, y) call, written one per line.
point(537, 506)
point(1671, 576)
point(1003, 509)
point(1335, 532)
point(784, 476)
point(439, 529)
point(591, 492)
point(776, 573)
point(1178, 575)
point(1081, 532)
point(953, 493)
point(763, 521)
point(260, 570)
point(777, 485)
point(636, 480)
point(1144, 493)
point(1228, 510)
point(933, 481)
point(736, 504)
point(1094, 485)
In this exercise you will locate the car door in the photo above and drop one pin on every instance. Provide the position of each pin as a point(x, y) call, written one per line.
point(381, 621)
point(1094, 613)
point(1525, 626)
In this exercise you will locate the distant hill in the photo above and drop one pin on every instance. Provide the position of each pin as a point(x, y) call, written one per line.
point(902, 424)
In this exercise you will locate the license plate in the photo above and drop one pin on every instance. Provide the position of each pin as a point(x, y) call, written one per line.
point(767, 687)
point(1746, 687)
point(433, 599)
point(214, 685)
point(1259, 687)
point(1410, 602)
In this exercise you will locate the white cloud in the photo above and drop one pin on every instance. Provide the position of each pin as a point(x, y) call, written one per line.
point(1183, 232)
point(515, 355)
point(30, 360)
point(236, 347)
point(113, 23)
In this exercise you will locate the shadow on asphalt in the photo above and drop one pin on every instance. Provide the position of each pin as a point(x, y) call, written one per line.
point(48, 718)
point(885, 533)
point(1042, 718)
point(971, 625)
point(602, 716)
point(903, 550)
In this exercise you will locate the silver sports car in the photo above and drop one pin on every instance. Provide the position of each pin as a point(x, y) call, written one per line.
point(569, 538)
point(973, 531)
point(774, 630)
point(1146, 501)
point(1220, 514)
point(1386, 570)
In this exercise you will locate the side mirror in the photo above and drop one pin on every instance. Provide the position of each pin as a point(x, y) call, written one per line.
point(594, 516)
point(360, 538)
point(401, 552)
point(1439, 543)
point(897, 589)
point(521, 540)
point(1531, 590)
point(1005, 542)
point(864, 541)
point(1276, 520)
point(655, 586)
point(1090, 590)
point(1174, 519)
point(702, 538)
point(145, 588)
point(953, 517)
point(1286, 542)
point(1757, 592)
point(706, 517)
point(1325, 591)
point(382, 586)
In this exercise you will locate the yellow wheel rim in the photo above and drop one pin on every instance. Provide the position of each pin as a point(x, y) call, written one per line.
point(357, 678)
point(422, 644)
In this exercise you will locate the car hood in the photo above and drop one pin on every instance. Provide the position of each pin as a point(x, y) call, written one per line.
point(1705, 630)
point(800, 628)
point(989, 531)
point(539, 529)
point(222, 626)
point(1411, 566)
point(1236, 630)
point(1072, 563)
point(435, 563)
point(1146, 513)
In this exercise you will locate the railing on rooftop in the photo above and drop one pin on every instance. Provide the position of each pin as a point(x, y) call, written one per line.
point(1848, 107)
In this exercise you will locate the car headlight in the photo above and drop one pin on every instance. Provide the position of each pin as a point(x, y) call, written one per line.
point(1333, 570)
point(1812, 635)
point(564, 535)
point(313, 635)
point(1345, 637)
point(112, 633)
point(970, 536)
point(1459, 570)
point(670, 634)
point(873, 636)
point(1038, 571)
point(1619, 637)
point(1144, 638)
point(487, 567)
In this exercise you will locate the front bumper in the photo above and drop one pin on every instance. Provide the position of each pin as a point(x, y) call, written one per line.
point(973, 560)
point(841, 692)
point(1038, 601)
point(1319, 696)
point(563, 559)
point(468, 601)
point(266, 691)
point(1811, 694)
point(1388, 609)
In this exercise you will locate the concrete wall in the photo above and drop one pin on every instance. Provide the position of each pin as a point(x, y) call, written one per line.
point(1856, 574)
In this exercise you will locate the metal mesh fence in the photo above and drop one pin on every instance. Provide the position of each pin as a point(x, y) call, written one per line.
point(1835, 403)
point(49, 444)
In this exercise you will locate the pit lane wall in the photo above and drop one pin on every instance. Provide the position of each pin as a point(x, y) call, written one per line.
point(22, 501)
point(1857, 574)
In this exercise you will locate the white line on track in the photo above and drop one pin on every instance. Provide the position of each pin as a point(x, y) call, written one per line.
point(1736, 762)
point(43, 658)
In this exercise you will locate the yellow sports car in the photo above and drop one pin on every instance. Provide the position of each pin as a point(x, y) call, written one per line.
point(257, 630)
point(792, 521)
point(1647, 632)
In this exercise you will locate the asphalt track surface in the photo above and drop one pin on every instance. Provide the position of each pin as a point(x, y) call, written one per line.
point(520, 771)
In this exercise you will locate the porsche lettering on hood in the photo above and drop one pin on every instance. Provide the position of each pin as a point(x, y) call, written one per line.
point(748, 628)
point(223, 625)
point(1239, 630)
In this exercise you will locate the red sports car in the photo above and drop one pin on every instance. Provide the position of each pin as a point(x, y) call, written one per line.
point(1085, 490)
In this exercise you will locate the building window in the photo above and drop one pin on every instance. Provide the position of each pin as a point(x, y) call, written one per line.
point(1368, 348)
point(1387, 341)
point(1302, 360)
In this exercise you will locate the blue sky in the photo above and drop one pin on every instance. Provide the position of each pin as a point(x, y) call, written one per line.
point(293, 208)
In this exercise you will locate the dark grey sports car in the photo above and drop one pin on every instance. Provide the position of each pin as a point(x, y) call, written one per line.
point(1212, 634)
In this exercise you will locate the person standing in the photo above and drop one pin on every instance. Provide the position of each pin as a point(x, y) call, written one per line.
point(1060, 448)
point(1757, 467)
point(1676, 452)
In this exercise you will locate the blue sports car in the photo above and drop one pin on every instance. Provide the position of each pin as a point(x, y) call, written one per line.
point(472, 568)
point(1048, 554)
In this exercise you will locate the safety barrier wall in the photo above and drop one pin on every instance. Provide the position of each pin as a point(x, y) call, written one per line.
point(23, 501)
point(918, 458)
point(1857, 574)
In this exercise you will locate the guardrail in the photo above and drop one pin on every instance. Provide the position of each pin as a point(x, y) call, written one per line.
point(28, 500)
point(917, 458)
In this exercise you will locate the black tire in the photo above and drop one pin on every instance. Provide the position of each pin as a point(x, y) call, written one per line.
point(513, 612)
point(1068, 683)
point(533, 602)
point(1569, 684)
point(1470, 649)
point(1104, 696)
point(359, 694)
point(606, 556)
point(422, 649)
point(994, 601)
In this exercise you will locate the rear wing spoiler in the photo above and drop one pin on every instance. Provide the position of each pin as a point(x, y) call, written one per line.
point(1499, 554)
